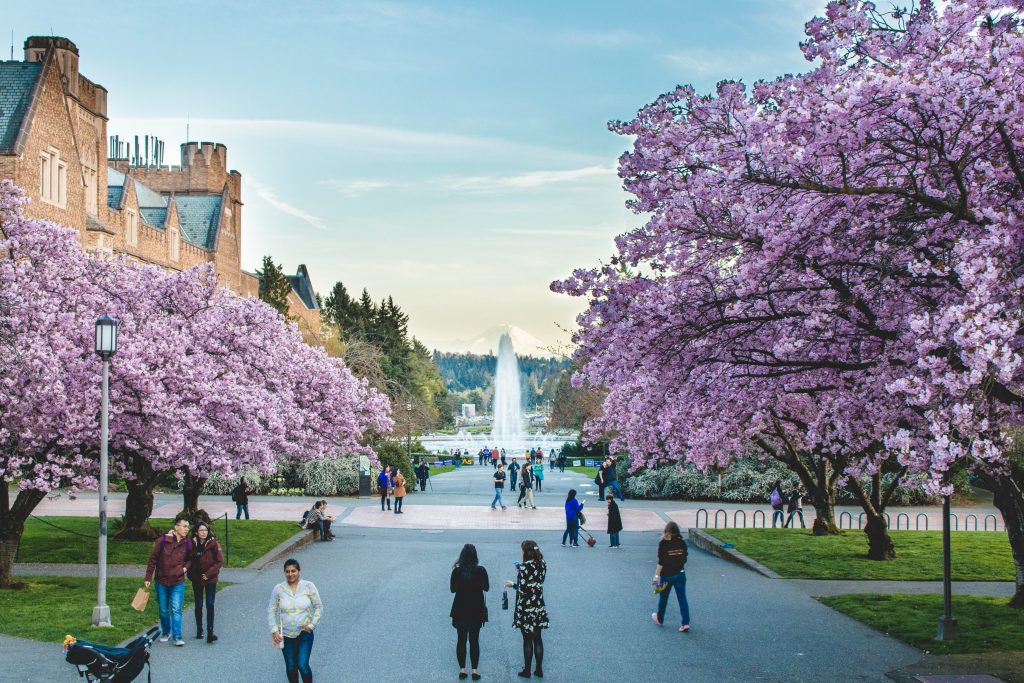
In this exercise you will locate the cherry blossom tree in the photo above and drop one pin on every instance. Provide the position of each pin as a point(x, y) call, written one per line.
point(852, 233)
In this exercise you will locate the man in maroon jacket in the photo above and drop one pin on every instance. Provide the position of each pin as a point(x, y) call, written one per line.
point(169, 562)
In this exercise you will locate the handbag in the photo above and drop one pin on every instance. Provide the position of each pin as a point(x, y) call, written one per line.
point(504, 599)
point(580, 516)
point(140, 600)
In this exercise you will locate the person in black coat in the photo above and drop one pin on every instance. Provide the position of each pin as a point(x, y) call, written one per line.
point(469, 611)
point(614, 521)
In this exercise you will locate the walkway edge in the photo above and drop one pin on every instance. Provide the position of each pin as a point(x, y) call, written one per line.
point(300, 540)
point(709, 543)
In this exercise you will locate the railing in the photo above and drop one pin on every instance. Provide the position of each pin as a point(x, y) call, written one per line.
point(718, 518)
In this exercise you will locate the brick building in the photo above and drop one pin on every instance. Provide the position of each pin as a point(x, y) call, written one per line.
point(54, 145)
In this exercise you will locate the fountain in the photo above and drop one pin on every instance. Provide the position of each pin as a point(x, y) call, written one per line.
point(507, 431)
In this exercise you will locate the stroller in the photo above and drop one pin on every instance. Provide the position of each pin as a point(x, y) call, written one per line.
point(105, 664)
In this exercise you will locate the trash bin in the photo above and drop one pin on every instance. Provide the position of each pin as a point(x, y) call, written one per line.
point(364, 485)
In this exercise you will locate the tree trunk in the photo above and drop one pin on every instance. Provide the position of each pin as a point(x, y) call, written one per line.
point(1008, 496)
point(880, 545)
point(825, 522)
point(137, 510)
point(191, 489)
point(12, 526)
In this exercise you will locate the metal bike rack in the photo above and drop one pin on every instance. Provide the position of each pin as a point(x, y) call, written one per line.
point(725, 518)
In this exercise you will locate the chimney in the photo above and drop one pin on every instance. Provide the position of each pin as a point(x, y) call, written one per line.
point(67, 57)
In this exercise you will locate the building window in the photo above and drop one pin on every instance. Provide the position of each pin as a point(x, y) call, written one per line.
point(174, 246)
point(132, 228)
point(53, 178)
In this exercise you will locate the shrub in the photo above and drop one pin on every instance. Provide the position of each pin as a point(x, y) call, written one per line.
point(218, 485)
point(394, 454)
point(330, 476)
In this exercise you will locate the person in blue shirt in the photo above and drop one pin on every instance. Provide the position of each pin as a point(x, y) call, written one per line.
point(384, 484)
point(573, 508)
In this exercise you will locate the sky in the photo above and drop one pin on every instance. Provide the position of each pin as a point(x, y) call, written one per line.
point(453, 155)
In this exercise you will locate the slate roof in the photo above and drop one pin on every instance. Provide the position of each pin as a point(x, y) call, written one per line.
point(17, 81)
point(303, 287)
point(199, 217)
point(115, 188)
point(154, 216)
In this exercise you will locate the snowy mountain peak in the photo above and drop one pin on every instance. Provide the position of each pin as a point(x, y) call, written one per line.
point(525, 344)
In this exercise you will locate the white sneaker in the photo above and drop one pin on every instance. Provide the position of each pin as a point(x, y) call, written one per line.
point(179, 643)
point(164, 638)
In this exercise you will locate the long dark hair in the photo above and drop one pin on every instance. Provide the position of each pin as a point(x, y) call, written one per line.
point(531, 551)
point(672, 530)
point(209, 536)
point(570, 495)
point(467, 558)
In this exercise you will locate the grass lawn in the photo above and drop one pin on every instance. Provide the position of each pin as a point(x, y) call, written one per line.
point(50, 607)
point(591, 472)
point(42, 542)
point(986, 624)
point(441, 469)
point(796, 554)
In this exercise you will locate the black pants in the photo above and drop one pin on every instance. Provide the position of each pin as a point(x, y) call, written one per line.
point(469, 632)
point(533, 648)
point(423, 484)
point(384, 498)
point(398, 504)
point(211, 596)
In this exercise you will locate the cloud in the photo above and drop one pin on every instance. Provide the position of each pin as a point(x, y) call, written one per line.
point(701, 62)
point(267, 195)
point(352, 188)
point(529, 180)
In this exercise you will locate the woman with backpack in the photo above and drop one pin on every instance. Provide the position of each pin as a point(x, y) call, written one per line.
point(469, 611)
point(795, 507)
point(671, 573)
point(777, 499)
point(573, 508)
point(203, 572)
point(531, 615)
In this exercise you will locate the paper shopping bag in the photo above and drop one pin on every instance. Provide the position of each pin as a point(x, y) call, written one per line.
point(140, 600)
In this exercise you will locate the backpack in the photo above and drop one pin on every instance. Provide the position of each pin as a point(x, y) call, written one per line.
point(234, 495)
point(776, 498)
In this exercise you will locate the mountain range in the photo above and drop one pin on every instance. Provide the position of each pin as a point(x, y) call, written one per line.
point(486, 342)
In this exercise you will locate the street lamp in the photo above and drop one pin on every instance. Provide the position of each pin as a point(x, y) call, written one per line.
point(106, 347)
point(408, 431)
point(947, 623)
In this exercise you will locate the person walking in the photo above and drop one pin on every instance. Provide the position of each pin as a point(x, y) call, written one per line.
point(499, 486)
point(494, 457)
point(513, 475)
point(399, 480)
point(384, 486)
point(795, 507)
point(614, 522)
point(240, 494)
point(531, 614)
point(169, 561)
point(538, 476)
point(671, 573)
point(293, 613)
point(561, 461)
point(503, 462)
point(204, 571)
point(423, 473)
point(573, 508)
point(611, 477)
point(526, 486)
point(600, 478)
point(777, 499)
point(469, 611)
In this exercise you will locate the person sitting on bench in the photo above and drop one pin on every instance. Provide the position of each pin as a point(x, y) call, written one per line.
point(319, 519)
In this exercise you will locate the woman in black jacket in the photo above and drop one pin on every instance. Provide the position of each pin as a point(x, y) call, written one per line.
point(204, 571)
point(469, 612)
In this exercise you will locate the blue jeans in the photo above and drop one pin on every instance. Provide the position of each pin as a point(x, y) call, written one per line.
point(679, 583)
point(170, 598)
point(614, 485)
point(778, 515)
point(240, 508)
point(614, 538)
point(497, 498)
point(572, 531)
point(296, 653)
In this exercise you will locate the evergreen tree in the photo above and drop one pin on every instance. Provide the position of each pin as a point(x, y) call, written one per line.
point(274, 285)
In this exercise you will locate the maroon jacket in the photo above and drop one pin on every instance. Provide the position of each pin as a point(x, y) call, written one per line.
point(169, 560)
point(207, 560)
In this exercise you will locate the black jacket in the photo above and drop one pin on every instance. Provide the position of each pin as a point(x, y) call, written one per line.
point(469, 585)
point(614, 518)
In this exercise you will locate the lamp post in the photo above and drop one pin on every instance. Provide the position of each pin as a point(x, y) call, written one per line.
point(106, 347)
point(408, 431)
point(947, 623)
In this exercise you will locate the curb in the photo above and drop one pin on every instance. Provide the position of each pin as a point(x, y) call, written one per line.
point(299, 540)
point(709, 543)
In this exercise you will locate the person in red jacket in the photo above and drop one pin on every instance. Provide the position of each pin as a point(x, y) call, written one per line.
point(204, 570)
point(168, 564)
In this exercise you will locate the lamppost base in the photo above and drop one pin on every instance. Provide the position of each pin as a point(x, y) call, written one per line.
point(948, 630)
point(101, 616)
